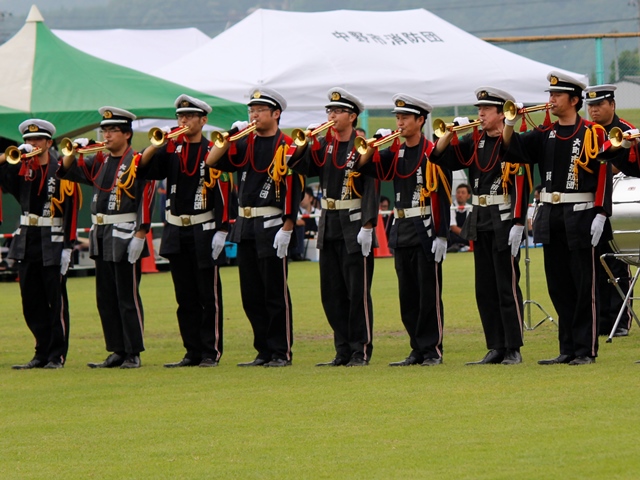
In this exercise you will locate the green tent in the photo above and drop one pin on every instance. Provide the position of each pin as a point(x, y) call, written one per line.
point(44, 77)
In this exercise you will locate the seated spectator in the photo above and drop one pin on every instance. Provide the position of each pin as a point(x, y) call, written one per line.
point(306, 228)
point(459, 212)
point(361, 132)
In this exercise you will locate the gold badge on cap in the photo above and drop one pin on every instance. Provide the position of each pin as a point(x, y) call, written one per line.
point(553, 80)
point(107, 114)
point(33, 128)
point(400, 103)
point(593, 94)
point(257, 94)
point(483, 94)
point(336, 96)
point(184, 103)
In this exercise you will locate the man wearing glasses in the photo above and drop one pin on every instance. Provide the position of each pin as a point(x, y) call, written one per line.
point(269, 197)
point(345, 231)
point(120, 213)
point(197, 216)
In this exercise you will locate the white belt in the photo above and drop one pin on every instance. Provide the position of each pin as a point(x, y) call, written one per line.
point(331, 204)
point(557, 197)
point(188, 220)
point(32, 220)
point(251, 212)
point(102, 219)
point(412, 212)
point(486, 200)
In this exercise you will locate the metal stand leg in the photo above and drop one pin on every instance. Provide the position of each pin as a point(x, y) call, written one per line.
point(528, 302)
point(627, 298)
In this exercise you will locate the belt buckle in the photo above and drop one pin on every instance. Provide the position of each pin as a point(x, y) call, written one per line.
point(331, 204)
point(33, 221)
point(555, 197)
point(482, 201)
point(186, 220)
point(247, 212)
point(401, 213)
point(99, 218)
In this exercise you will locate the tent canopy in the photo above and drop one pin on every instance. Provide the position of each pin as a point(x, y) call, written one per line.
point(51, 80)
point(372, 54)
point(142, 50)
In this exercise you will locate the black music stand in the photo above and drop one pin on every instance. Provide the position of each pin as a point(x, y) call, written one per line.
point(528, 325)
point(614, 281)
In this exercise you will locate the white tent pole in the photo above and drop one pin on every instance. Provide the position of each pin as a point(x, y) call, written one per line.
point(364, 121)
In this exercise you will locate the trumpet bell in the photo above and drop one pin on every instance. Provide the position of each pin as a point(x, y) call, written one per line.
point(13, 155)
point(156, 136)
point(218, 138)
point(362, 144)
point(440, 127)
point(509, 109)
point(299, 136)
point(67, 147)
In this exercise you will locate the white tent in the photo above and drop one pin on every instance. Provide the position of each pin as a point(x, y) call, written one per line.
point(142, 50)
point(372, 54)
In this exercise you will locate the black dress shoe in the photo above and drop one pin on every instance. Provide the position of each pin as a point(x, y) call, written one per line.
point(431, 362)
point(621, 332)
point(208, 362)
point(512, 357)
point(112, 361)
point(357, 362)
point(558, 360)
point(132, 361)
point(492, 357)
point(35, 363)
point(53, 365)
point(336, 362)
point(258, 362)
point(185, 362)
point(278, 362)
point(410, 360)
point(584, 360)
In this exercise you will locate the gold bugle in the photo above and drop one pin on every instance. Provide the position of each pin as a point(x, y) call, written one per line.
point(510, 111)
point(13, 154)
point(617, 136)
point(361, 144)
point(301, 137)
point(158, 137)
point(68, 148)
point(218, 138)
point(440, 127)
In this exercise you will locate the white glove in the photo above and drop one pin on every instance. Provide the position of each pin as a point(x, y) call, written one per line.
point(365, 239)
point(281, 242)
point(135, 248)
point(26, 148)
point(383, 132)
point(65, 260)
point(596, 228)
point(515, 239)
point(313, 126)
point(240, 125)
point(439, 249)
point(81, 142)
point(629, 143)
point(217, 243)
point(461, 121)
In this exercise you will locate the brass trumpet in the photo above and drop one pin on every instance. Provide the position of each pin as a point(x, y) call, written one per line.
point(617, 136)
point(511, 111)
point(158, 137)
point(218, 138)
point(361, 145)
point(68, 148)
point(300, 137)
point(13, 154)
point(440, 127)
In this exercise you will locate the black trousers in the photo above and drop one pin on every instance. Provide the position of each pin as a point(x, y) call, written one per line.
point(498, 295)
point(199, 296)
point(345, 287)
point(610, 300)
point(573, 287)
point(266, 301)
point(120, 305)
point(421, 310)
point(46, 309)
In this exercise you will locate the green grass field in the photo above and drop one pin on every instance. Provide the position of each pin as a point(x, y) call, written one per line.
point(448, 422)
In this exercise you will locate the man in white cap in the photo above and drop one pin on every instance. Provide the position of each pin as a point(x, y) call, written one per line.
point(420, 227)
point(197, 221)
point(43, 243)
point(345, 231)
point(601, 106)
point(574, 205)
point(496, 224)
point(121, 216)
point(269, 197)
